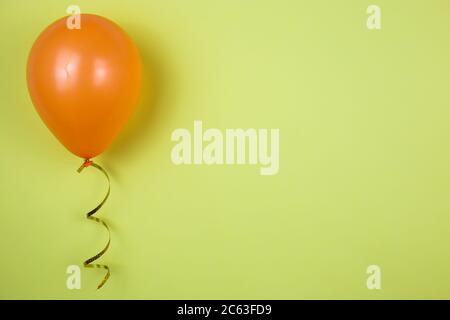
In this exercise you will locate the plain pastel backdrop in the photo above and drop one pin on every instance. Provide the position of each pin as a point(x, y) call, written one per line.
point(364, 119)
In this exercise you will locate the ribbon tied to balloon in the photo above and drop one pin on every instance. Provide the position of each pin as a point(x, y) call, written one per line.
point(85, 83)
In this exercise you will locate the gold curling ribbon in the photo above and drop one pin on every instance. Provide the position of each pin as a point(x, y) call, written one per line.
point(90, 215)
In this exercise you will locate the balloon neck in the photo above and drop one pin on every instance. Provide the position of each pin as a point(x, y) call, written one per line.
point(86, 163)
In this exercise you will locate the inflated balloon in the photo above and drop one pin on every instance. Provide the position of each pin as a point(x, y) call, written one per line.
point(84, 82)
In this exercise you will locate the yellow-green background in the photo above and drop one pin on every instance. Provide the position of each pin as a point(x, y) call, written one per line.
point(364, 175)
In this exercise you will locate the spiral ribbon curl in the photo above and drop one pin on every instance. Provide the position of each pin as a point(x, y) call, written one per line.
point(90, 215)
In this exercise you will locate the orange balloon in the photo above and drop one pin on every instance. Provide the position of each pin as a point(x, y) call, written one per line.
point(84, 83)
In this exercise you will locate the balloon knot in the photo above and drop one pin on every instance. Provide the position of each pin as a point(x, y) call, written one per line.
point(85, 164)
